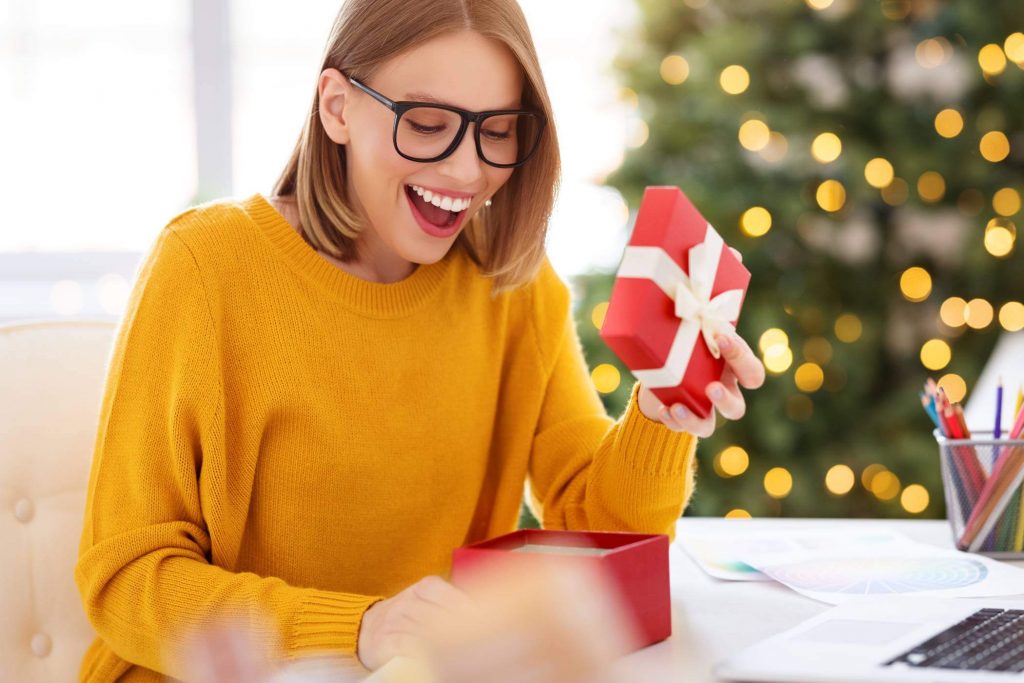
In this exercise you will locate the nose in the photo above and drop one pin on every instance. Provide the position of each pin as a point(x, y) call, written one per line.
point(463, 165)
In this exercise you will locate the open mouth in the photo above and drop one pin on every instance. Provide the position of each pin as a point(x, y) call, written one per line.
point(435, 215)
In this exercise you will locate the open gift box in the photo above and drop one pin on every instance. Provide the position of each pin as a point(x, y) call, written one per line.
point(636, 563)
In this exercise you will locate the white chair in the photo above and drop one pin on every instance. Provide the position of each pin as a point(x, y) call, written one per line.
point(53, 374)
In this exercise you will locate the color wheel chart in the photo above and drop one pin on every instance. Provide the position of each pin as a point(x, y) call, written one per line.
point(872, 576)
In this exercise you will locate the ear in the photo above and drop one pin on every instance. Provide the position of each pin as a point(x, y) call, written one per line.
point(335, 94)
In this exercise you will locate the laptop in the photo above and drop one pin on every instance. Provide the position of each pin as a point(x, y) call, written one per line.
point(893, 639)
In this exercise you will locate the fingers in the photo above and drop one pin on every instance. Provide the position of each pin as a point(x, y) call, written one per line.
point(727, 399)
point(434, 589)
point(747, 368)
point(680, 419)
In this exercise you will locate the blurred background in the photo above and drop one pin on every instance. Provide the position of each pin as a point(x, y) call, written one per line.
point(866, 156)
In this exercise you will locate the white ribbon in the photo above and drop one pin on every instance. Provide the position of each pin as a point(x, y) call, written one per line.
point(691, 293)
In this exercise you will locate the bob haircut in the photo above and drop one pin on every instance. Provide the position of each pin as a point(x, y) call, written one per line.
point(505, 239)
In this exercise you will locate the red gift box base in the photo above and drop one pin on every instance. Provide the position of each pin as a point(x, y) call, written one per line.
point(636, 563)
point(641, 324)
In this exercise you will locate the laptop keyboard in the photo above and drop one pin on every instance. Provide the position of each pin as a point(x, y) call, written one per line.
point(988, 640)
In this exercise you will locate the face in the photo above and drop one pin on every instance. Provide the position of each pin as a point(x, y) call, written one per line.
point(462, 69)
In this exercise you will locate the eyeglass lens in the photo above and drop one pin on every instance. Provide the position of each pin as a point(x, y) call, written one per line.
point(426, 132)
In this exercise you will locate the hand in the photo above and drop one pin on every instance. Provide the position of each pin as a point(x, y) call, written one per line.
point(742, 367)
point(555, 623)
point(398, 625)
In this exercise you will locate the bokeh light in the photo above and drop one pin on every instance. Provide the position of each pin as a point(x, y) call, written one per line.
point(839, 480)
point(896, 192)
point(1000, 236)
point(931, 186)
point(809, 377)
point(994, 146)
point(818, 349)
point(737, 513)
point(936, 354)
point(885, 485)
point(954, 386)
point(756, 221)
point(868, 474)
point(831, 195)
point(992, 59)
point(606, 378)
point(826, 148)
point(848, 328)
point(776, 149)
point(914, 499)
point(598, 314)
point(674, 69)
point(1013, 46)
point(731, 462)
point(734, 79)
point(953, 312)
point(778, 359)
point(773, 336)
point(978, 314)
point(1011, 316)
point(933, 52)
point(915, 284)
point(878, 172)
point(754, 134)
point(778, 482)
point(1006, 202)
point(949, 123)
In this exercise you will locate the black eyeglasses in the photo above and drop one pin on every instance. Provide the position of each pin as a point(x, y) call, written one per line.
point(428, 132)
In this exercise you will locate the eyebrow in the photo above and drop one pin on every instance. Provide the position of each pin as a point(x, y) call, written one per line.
point(427, 97)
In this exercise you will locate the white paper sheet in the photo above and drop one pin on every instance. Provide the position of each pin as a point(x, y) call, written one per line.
point(721, 555)
point(838, 572)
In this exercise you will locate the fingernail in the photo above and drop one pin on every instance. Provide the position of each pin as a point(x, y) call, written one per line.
point(724, 343)
point(716, 392)
point(679, 411)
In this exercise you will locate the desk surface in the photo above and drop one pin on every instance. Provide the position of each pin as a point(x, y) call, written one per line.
point(712, 619)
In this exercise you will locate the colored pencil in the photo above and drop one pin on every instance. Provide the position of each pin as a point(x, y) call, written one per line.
point(1005, 481)
point(1018, 541)
point(1001, 486)
point(999, 409)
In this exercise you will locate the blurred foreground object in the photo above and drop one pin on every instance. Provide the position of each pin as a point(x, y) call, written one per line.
point(560, 623)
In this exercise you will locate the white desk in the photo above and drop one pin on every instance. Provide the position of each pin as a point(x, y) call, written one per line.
point(712, 619)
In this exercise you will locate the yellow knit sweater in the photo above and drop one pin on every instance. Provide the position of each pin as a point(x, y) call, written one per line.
point(284, 443)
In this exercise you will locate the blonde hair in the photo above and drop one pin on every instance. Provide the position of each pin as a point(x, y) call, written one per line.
point(505, 239)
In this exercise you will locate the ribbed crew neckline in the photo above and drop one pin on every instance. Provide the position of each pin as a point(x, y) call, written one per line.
point(375, 299)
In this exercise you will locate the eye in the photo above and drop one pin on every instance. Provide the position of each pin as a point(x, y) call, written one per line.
point(496, 136)
point(425, 130)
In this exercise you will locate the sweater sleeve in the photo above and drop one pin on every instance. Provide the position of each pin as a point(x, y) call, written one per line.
point(587, 471)
point(144, 570)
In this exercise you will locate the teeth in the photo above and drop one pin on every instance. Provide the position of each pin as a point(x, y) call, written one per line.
point(441, 201)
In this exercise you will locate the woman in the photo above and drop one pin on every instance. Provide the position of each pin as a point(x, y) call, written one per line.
point(314, 398)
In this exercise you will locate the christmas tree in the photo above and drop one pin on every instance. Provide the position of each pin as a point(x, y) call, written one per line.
point(866, 158)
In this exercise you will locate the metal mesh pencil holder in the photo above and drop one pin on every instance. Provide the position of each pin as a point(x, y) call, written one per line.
point(985, 513)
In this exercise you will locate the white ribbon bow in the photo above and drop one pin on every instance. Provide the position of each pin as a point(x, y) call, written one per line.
point(700, 314)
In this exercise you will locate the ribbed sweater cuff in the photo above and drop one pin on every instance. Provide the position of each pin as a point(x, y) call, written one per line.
point(327, 623)
point(650, 447)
